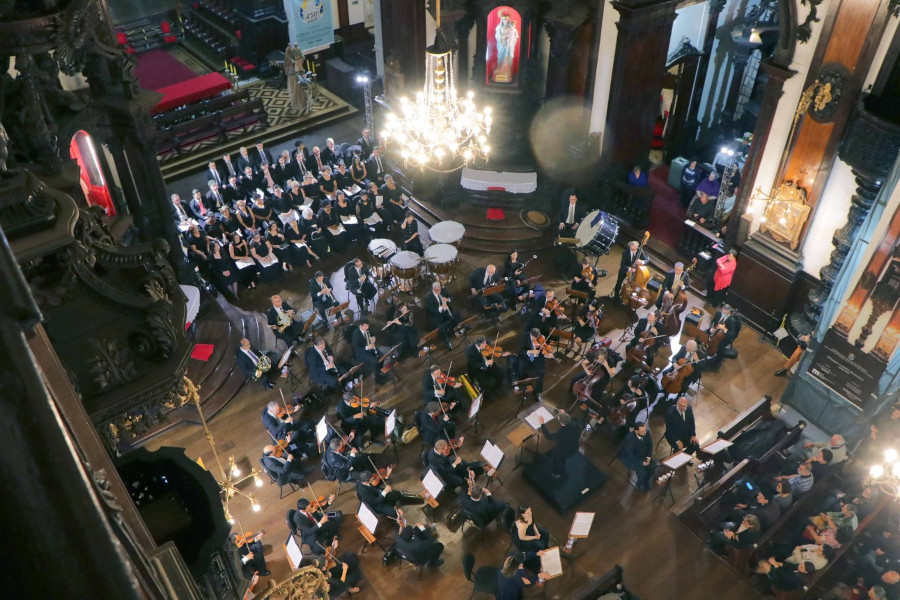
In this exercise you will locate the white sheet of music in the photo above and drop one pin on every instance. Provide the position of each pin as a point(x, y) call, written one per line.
point(716, 446)
point(433, 484)
point(375, 219)
point(379, 201)
point(268, 261)
point(689, 223)
point(242, 264)
point(475, 406)
point(352, 191)
point(337, 230)
point(581, 524)
point(390, 423)
point(367, 517)
point(551, 562)
point(321, 431)
point(301, 244)
point(534, 418)
point(295, 554)
point(492, 454)
point(677, 460)
point(348, 220)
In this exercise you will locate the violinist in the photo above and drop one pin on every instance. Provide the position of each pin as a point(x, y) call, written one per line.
point(453, 470)
point(322, 365)
point(646, 329)
point(434, 423)
point(357, 418)
point(479, 506)
point(359, 282)
point(532, 353)
point(342, 573)
point(316, 527)
point(281, 466)
point(321, 290)
point(378, 494)
point(480, 366)
point(281, 319)
point(632, 256)
point(585, 279)
point(726, 324)
point(440, 315)
point(300, 436)
point(344, 462)
point(545, 311)
point(401, 330)
point(365, 351)
point(417, 544)
point(251, 553)
point(513, 272)
point(438, 386)
point(480, 279)
point(692, 356)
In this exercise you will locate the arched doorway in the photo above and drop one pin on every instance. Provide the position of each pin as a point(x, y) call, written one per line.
point(93, 182)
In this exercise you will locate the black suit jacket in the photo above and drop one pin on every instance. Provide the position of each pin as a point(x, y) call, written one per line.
point(245, 363)
point(358, 343)
point(313, 165)
point(626, 260)
point(331, 157)
point(307, 528)
point(476, 279)
point(481, 511)
point(431, 429)
point(372, 168)
point(272, 313)
point(351, 276)
point(474, 360)
point(670, 279)
point(419, 548)
point(215, 200)
point(443, 466)
point(315, 288)
point(567, 438)
point(678, 429)
point(243, 163)
point(428, 387)
point(258, 160)
point(634, 451)
point(194, 205)
point(316, 365)
point(367, 147)
point(563, 211)
point(433, 308)
point(227, 171)
point(373, 498)
point(215, 175)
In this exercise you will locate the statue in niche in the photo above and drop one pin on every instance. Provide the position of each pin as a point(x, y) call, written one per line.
point(394, 79)
point(506, 36)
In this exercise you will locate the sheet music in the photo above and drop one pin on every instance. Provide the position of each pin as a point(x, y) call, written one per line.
point(295, 554)
point(242, 265)
point(349, 220)
point(301, 244)
point(677, 460)
point(476, 405)
point(533, 418)
point(367, 517)
point(352, 191)
point(375, 219)
point(492, 454)
point(268, 261)
point(321, 431)
point(337, 230)
point(390, 423)
point(379, 201)
point(716, 446)
point(433, 484)
point(551, 562)
point(689, 223)
point(581, 524)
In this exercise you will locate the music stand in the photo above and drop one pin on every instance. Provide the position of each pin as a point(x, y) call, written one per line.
point(368, 523)
point(473, 410)
point(425, 349)
point(674, 462)
point(339, 311)
point(462, 327)
point(390, 423)
point(389, 369)
point(294, 381)
point(522, 389)
point(433, 485)
point(493, 456)
point(309, 323)
point(349, 373)
point(580, 529)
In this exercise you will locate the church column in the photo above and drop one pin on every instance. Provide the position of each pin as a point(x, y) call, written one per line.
point(644, 29)
point(463, 28)
point(870, 146)
point(561, 27)
point(743, 48)
point(686, 144)
point(402, 26)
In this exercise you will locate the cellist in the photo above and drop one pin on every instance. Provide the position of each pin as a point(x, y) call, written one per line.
point(723, 328)
point(632, 256)
point(647, 328)
point(692, 356)
point(595, 377)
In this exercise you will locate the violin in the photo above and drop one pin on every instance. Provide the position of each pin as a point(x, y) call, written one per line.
point(365, 405)
point(493, 351)
point(445, 380)
point(279, 448)
point(241, 539)
point(320, 503)
point(587, 274)
point(330, 559)
point(381, 475)
point(555, 307)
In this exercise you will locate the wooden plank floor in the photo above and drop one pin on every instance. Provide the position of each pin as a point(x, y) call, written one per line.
point(661, 560)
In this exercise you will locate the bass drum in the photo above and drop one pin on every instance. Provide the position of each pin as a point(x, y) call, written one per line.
point(597, 233)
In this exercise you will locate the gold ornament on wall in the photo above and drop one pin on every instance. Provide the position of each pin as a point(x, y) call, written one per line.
point(785, 214)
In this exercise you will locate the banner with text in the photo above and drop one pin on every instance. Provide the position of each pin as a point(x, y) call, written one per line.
point(310, 24)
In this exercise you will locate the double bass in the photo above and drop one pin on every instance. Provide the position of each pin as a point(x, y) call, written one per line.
point(638, 278)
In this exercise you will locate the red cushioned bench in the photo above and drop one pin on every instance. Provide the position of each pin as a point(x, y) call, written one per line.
point(192, 90)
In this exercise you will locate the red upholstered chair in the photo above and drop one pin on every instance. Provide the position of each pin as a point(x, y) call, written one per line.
point(121, 38)
point(165, 27)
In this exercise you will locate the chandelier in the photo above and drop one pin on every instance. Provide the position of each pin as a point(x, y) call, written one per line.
point(886, 475)
point(231, 476)
point(439, 130)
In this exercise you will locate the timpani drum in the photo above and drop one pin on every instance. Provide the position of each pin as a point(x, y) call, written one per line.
point(597, 233)
point(447, 232)
point(381, 250)
point(405, 266)
point(441, 260)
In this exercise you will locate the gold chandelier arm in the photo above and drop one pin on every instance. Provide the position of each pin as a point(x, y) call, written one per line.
point(209, 436)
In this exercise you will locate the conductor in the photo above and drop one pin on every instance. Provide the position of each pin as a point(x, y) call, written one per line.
point(566, 441)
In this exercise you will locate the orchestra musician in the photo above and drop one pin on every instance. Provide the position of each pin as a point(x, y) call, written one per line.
point(453, 470)
point(380, 496)
point(281, 319)
point(480, 279)
point(280, 425)
point(681, 430)
point(322, 365)
point(359, 419)
point(647, 327)
point(359, 281)
point(566, 440)
point(417, 544)
point(343, 574)
point(598, 374)
point(570, 215)
point(255, 365)
point(284, 469)
point(513, 272)
point(401, 330)
point(481, 368)
point(365, 351)
point(321, 290)
point(479, 506)
point(585, 326)
point(636, 453)
point(251, 553)
point(437, 386)
point(632, 256)
point(676, 280)
point(634, 390)
point(316, 528)
point(692, 355)
point(531, 360)
point(433, 423)
point(345, 462)
point(727, 321)
point(545, 311)
point(585, 279)
point(440, 315)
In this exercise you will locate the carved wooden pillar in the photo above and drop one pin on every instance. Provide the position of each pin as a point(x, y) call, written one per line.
point(870, 146)
point(638, 70)
point(742, 51)
point(463, 28)
point(562, 27)
point(685, 59)
point(403, 31)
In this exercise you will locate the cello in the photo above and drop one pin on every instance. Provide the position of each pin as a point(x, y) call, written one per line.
point(638, 278)
point(673, 381)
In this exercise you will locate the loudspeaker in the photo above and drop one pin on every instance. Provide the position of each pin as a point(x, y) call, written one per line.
point(675, 169)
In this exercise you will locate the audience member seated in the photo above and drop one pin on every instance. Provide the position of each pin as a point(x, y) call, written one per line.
point(801, 481)
point(738, 536)
point(783, 577)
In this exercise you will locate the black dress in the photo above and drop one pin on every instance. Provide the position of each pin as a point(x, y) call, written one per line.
point(281, 247)
point(299, 254)
point(201, 243)
point(358, 174)
point(364, 210)
point(316, 240)
point(246, 219)
point(414, 245)
point(271, 273)
point(223, 270)
point(248, 274)
point(354, 230)
point(328, 186)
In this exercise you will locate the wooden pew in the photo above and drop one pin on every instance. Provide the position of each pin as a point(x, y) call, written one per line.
point(760, 411)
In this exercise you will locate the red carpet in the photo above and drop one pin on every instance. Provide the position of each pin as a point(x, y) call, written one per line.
point(157, 69)
point(192, 90)
point(666, 214)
